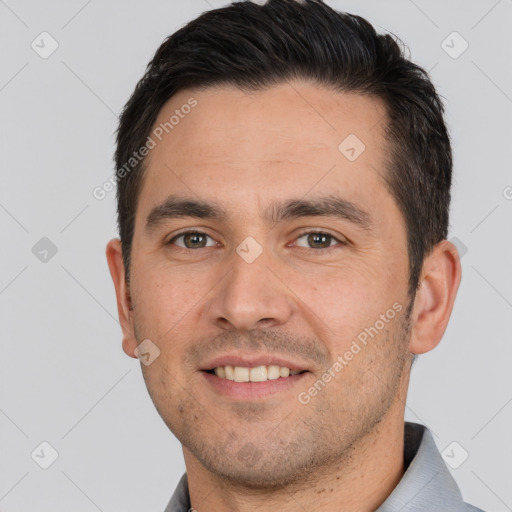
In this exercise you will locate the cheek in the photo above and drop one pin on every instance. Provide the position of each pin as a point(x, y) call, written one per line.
point(164, 300)
point(166, 388)
point(342, 302)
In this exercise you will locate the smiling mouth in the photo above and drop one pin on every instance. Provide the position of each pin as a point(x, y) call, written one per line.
point(254, 374)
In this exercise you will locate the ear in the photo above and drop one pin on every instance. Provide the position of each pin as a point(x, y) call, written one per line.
point(114, 255)
point(439, 282)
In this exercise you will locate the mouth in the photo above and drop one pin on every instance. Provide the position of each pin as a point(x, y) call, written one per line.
point(260, 373)
point(249, 377)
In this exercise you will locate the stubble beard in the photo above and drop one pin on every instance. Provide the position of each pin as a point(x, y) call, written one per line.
point(298, 446)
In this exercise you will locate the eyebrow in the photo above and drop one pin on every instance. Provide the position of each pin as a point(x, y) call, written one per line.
point(326, 206)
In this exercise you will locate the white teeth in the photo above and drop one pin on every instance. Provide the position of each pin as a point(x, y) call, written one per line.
point(256, 374)
point(273, 372)
point(229, 370)
point(241, 374)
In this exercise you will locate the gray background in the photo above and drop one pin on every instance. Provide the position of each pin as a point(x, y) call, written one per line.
point(64, 377)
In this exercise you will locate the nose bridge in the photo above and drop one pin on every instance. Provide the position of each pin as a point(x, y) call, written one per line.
point(250, 295)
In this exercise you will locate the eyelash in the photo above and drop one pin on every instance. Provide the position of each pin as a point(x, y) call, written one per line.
point(308, 249)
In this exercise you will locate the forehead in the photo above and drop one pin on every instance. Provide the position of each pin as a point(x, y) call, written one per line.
point(289, 140)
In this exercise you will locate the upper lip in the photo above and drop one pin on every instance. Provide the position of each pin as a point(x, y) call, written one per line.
point(253, 360)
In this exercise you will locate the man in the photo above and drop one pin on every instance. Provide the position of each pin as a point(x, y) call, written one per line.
point(283, 194)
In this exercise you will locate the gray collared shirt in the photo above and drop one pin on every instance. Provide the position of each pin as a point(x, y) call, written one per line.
point(427, 484)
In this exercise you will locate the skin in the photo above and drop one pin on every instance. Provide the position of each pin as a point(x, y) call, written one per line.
point(301, 301)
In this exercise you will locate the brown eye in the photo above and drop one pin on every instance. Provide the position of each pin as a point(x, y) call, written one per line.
point(317, 240)
point(192, 240)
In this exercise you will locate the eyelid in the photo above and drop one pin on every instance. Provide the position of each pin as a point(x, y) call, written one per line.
point(188, 232)
point(305, 231)
point(310, 231)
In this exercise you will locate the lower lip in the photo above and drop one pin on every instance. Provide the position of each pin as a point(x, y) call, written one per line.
point(252, 390)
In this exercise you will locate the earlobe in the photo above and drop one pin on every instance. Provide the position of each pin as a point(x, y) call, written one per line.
point(114, 256)
point(435, 297)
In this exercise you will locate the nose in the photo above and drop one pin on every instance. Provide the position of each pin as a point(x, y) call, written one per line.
point(250, 296)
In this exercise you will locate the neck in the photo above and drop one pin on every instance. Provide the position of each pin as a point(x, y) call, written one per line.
point(359, 481)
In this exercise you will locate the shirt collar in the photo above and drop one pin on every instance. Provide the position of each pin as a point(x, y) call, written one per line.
point(427, 482)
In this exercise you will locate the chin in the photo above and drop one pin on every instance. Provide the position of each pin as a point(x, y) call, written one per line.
point(266, 469)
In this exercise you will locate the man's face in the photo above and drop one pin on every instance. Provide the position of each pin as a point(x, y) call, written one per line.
point(256, 286)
